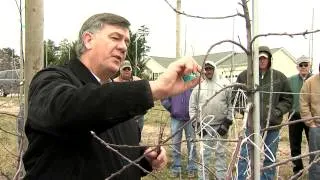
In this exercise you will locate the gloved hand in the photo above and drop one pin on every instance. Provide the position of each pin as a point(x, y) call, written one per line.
point(196, 124)
point(224, 127)
point(276, 117)
point(204, 132)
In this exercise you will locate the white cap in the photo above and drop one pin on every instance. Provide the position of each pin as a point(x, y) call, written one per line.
point(210, 63)
point(303, 59)
point(264, 54)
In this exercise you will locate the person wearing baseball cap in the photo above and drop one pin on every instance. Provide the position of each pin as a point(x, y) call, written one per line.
point(296, 130)
point(126, 73)
point(216, 121)
point(281, 104)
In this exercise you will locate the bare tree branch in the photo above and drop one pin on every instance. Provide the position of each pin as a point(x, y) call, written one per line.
point(202, 17)
point(289, 160)
point(127, 159)
point(288, 123)
point(234, 158)
point(284, 34)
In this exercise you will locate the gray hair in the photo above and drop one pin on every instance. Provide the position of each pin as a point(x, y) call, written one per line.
point(95, 23)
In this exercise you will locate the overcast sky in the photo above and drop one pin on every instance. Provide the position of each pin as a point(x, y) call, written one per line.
point(63, 19)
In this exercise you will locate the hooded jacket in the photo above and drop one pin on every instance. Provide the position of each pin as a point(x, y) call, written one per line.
point(281, 100)
point(178, 105)
point(65, 104)
point(220, 106)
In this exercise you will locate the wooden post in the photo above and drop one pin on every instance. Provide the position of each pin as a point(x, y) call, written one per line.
point(178, 55)
point(33, 45)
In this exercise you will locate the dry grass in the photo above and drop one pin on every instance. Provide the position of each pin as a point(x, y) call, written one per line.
point(154, 117)
point(151, 130)
point(8, 142)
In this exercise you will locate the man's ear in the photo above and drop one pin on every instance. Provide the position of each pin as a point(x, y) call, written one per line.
point(87, 39)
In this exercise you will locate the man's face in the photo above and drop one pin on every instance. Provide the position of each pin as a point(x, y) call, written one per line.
point(109, 47)
point(209, 71)
point(126, 73)
point(304, 68)
point(263, 63)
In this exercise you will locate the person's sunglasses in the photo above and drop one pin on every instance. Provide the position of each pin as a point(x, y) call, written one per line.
point(208, 68)
point(303, 65)
point(126, 69)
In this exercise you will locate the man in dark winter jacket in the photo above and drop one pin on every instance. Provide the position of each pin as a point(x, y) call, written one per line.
point(281, 104)
point(67, 104)
point(296, 130)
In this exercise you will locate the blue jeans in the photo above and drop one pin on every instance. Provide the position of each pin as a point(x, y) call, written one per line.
point(271, 141)
point(314, 145)
point(176, 147)
point(220, 160)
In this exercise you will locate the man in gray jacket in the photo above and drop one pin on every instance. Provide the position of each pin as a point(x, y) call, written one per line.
point(214, 121)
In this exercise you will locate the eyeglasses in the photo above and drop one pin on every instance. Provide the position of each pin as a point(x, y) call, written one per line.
point(208, 68)
point(303, 65)
point(126, 69)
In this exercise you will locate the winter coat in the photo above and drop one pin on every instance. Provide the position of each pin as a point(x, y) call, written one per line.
point(296, 83)
point(310, 100)
point(220, 106)
point(178, 105)
point(281, 101)
point(65, 104)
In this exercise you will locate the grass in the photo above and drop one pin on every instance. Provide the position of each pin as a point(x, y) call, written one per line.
point(8, 143)
point(157, 115)
point(153, 119)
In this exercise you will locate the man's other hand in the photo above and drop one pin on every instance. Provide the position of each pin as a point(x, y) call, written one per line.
point(157, 160)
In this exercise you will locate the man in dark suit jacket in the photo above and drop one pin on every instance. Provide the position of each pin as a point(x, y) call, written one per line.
point(67, 104)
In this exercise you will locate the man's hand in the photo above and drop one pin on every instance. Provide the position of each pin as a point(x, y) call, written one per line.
point(157, 161)
point(224, 127)
point(171, 81)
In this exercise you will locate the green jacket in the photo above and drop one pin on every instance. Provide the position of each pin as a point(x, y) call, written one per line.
point(296, 83)
point(281, 100)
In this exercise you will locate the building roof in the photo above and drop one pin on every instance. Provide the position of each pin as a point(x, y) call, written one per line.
point(222, 59)
point(240, 59)
point(165, 61)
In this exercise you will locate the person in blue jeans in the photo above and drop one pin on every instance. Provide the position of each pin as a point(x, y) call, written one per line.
point(178, 106)
point(270, 150)
point(310, 107)
point(281, 103)
point(214, 122)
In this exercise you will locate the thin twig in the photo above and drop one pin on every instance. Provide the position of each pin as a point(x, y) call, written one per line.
point(234, 158)
point(202, 17)
point(284, 34)
point(289, 123)
point(289, 160)
point(127, 159)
